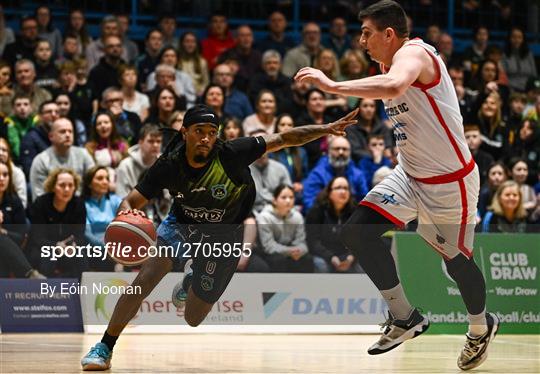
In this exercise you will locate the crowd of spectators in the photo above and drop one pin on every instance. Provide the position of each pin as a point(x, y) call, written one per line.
point(82, 119)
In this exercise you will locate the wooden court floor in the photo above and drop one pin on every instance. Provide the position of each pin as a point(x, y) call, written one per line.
point(231, 353)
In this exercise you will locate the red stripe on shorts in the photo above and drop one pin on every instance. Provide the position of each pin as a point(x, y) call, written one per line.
point(450, 177)
point(463, 224)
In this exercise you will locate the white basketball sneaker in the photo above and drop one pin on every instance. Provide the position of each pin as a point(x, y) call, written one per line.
point(396, 331)
point(475, 350)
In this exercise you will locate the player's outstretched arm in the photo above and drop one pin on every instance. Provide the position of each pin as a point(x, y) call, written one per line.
point(132, 202)
point(304, 134)
point(407, 66)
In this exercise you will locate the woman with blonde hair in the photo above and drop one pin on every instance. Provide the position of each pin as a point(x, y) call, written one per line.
point(328, 63)
point(507, 213)
point(191, 62)
point(495, 134)
point(58, 218)
point(519, 171)
point(353, 65)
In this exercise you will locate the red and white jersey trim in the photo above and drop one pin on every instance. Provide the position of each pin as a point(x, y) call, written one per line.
point(428, 126)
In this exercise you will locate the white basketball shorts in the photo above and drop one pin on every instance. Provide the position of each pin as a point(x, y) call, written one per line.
point(446, 211)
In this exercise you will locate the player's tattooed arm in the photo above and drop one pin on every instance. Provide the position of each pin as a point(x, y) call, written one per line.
point(304, 134)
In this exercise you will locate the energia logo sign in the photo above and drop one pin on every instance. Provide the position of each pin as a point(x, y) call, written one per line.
point(101, 308)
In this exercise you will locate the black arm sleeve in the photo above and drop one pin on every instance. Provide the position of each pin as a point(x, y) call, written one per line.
point(243, 151)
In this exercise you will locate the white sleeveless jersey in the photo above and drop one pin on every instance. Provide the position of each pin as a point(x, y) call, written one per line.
point(428, 127)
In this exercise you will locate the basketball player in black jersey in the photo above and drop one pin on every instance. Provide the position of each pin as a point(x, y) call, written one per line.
point(213, 194)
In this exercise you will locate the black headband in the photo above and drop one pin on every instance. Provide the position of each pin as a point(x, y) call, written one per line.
point(200, 114)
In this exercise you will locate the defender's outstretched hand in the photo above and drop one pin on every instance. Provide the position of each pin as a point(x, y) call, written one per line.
point(315, 77)
point(338, 127)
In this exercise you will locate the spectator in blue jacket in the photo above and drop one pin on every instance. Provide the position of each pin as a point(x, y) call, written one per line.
point(370, 164)
point(36, 139)
point(337, 163)
point(101, 207)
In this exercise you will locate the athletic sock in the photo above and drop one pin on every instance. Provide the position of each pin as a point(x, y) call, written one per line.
point(397, 302)
point(477, 324)
point(109, 340)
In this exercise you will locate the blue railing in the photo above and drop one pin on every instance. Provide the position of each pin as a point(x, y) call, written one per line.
point(193, 15)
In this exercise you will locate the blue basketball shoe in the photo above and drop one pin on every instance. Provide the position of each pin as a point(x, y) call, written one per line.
point(99, 358)
point(180, 291)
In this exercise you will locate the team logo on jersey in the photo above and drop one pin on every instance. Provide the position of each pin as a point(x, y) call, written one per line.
point(207, 283)
point(399, 125)
point(396, 109)
point(440, 239)
point(219, 191)
point(388, 199)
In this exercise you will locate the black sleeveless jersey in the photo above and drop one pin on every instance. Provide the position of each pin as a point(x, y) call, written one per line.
point(221, 192)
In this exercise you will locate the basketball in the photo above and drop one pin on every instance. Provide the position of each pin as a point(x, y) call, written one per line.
point(128, 237)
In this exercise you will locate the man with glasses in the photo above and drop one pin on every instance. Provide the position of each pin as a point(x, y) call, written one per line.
point(304, 54)
point(337, 163)
point(96, 49)
point(25, 43)
point(105, 73)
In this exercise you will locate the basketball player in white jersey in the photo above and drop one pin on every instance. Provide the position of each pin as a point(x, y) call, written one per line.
point(436, 180)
